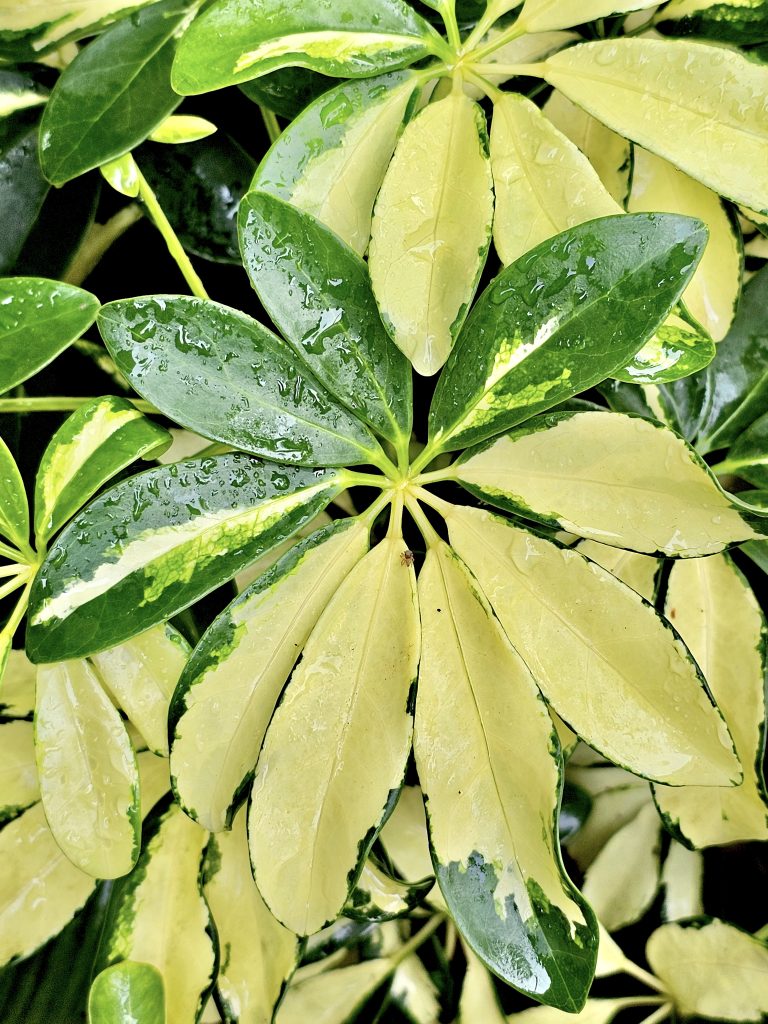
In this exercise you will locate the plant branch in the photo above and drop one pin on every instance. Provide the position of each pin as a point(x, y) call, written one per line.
point(274, 131)
point(98, 240)
point(529, 70)
point(430, 535)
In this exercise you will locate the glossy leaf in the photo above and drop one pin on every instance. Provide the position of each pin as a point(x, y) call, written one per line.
point(141, 675)
point(287, 91)
point(17, 693)
point(38, 320)
point(122, 174)
point(128, 991)
point(351, 690)
point(379, 897)
point(682, 879)
point(620, 480)
point(405, 837)
point(334, 996)
point(19, 91)
point(113, 94)
point(261, 954)
point(24, 188)
point(637, 571)
point(181, 128)
point(617, 797)
point(318, 293)
point(492, 814)
point(14, 511)
point(160, 541)
point(159, 902)
point(97, 441)
point(234, 678)
point(728, 21)
point(525, 49)
point(478, 1001)
point(610, 667)
point(19, 787)
point(428, 250)
point(713, 607)
point(340, 38)
point(689, 90)
point(331, 160)
point(27, 29)
point(250, 390)
point(543, 184)
point(711, 969)
point(675, 351)
point(558, 321)
point(546, 15)
point(89, 780)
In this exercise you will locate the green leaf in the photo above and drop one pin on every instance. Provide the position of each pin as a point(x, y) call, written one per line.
point(609, 665)
point(158, 542)
point(332, 159)
point(250, 389)
point(560, 319)
point(287, 91)
point(89, 780)
point(479, 1001)
point(428, 250)
point(159, 902)
point(241, 665)
point(711, 604)
point(749, 455)
point(620, 480)
point(97, 441)
point(546, 15)
point(687, 91)
point(128, 991)
point(24, 187)
point(352, 686)
point(727, 21)
point(113, 94)
point(19, 91)
point(711, 969)
point(675, 351)
point(38, 320)
point(181, 128)
point(341, 38)
point(495, 853)
point(318, 293)
point(379, 897)
point(27, 30)
point(14, 511)
point(19, 788)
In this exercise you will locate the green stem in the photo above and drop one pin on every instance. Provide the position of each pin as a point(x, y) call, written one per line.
point(417, 940)
point(353, 479)
point(175, 248)
point(437, 476)
point(98, 240)
point(529, 70)
point(644, 976)
point(6, 551)
point(512, 33)
point(428, 454)
point(661, 1014)
point(370, 514)
point(12, 570)
point(16, 615)
point(428, 498)
point(14, 584)
point(493, 12)
point(61, 404)
point(274, 131)
point(430, 535)
point(395, 528)
point(447, 9)
point(493, 93)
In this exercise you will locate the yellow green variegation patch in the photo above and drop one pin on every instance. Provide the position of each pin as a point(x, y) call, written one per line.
point(19, 787)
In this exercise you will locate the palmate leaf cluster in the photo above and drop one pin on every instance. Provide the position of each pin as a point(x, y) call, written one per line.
point(523, 572)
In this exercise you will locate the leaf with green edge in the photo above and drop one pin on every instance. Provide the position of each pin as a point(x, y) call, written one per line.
point(611, 667)
point(160, 541)
point(287, 91)
point(95, 443)
point(14, 509)
point(675, 351)
point(377, 896)
point(24, 187)
point(353, 685)
point(19, 787)
point(239, 668)
point(38, 320)
point(317, 291)
point(27, 31)
point(17, 693)
point(158, 902)
point(19, 91)
point(560, 319)
point(718, 616)
point(178, 129)
point(503, 880)
point(748, 457)
point(726, 21)
point(332, 159)
point(547, 15)
point(689, 90)
point(127, 991)
point(525, 49)
point(575, 805)
point(89, 780)
point(227, 44)
point(428, 251)
point(216, 371)
point(620, 480)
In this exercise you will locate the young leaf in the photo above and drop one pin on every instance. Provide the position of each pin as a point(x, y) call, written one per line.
point(429, 248)
point(546, 15)
point(608, 664)
point(158, 542)
point(261, 954)
point(89, 781)
point(331, 160)
point(97, 441)
point(159, 902)
point(113, 94)
point(14, 511)
point(318, 293)
point(379, 897)
point(713, 293)
point(711, 969)
point(560, 319)
point(250, 390)
point(238, 670)
point(340, 38)
point(180, 128)
point(350, 694)
point(28, 30)
point(728, 21)
point(492, 814)
point(35, 875)
point(543, 184)
point(19, 787)
point(713, 607)
point(128, 991)
point(38, 320)
point(687, 91)
point(141, 675)
point(675, 351)
point(629, 482)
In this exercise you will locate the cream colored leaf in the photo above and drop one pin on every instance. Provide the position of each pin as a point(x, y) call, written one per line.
point(637, 571)
point(610, 812)
point(18, 772)
point(154, 779)
point(17, 692)
point(682, 878)
point(414, 990)
point(331, 998)
point(406, 840)
point(597, 1011)
point(610, 959)
point(478, 1001)
point(545, 15)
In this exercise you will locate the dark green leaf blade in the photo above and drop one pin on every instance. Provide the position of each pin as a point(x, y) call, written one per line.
point(561, 319)
point(726, 22)
point(38, 320)
point(23, 186)
point(222, 374)
point(127, 991)
point(14, 510)
point(317, 291)
point(159, 541)
point(113, 93)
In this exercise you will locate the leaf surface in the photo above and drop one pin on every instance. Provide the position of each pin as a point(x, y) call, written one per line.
point(28, 29)
point(546, 15)
point(128, 991)
point(19, 787)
